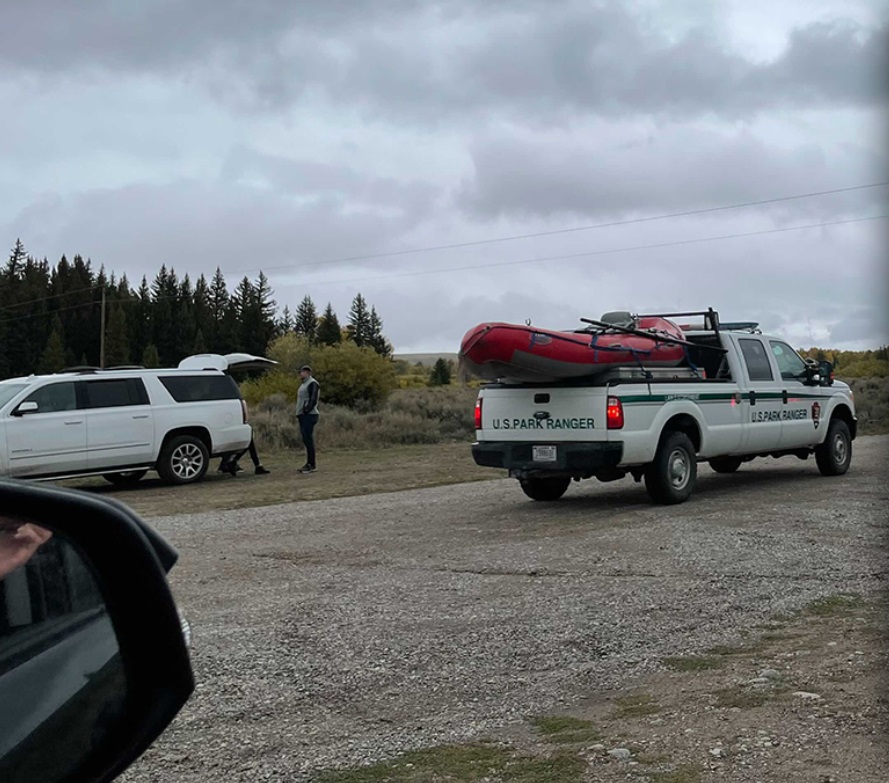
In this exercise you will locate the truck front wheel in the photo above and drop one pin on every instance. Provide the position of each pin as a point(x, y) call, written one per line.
point(670, 478)
point(834, 455)
point(545, 488)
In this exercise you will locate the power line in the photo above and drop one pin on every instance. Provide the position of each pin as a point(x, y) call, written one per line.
point(555, 232)
point(544, 259)
point(494, 240)
point(589, 253)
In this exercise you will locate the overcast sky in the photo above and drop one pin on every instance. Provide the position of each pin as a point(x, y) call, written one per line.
point(293, 136)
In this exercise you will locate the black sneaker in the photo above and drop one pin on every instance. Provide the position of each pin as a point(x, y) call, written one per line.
point(261, 471)
point(307, 469)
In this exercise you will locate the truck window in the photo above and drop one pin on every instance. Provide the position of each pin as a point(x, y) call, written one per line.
point(791, 366)
point(758, 366)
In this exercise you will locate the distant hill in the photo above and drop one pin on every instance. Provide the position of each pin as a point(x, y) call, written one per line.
point(426, 359)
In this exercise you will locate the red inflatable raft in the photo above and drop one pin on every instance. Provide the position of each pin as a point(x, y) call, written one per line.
point(521, 353)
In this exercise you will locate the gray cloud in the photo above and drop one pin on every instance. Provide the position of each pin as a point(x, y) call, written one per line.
point(194, 227)
point(422, 62)
point(615, 171)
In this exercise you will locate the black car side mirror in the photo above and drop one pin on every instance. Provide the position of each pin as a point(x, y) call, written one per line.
point(93, 659)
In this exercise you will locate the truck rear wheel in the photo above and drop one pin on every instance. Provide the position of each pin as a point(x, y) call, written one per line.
point(835, 454)
point(545, 488)
point(725, 464)
point(670, 478)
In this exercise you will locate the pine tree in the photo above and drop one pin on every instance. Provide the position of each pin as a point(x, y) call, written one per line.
point(307, 320)
point(359, 321)
point(286, 323)
point(150, 357)
point(329, 331)
point(267, 312)
point(440, 375)
point(220, 339)
point(375, 338)
point(53, 357)
point(117, 349)
point(200, 345)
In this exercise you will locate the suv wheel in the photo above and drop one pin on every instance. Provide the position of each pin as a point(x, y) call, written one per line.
point(125, 479)
point(183, 460)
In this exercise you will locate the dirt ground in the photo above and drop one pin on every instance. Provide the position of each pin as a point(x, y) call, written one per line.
point(464, 633)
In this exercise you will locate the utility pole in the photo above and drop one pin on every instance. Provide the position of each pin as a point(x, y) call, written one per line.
point(102, 335)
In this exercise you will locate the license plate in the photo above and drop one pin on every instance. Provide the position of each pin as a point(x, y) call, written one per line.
point(544, 453)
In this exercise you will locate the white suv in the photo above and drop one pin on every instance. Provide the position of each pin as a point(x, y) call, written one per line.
point(121, 423)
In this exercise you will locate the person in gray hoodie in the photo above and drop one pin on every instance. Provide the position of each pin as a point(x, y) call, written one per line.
point(307, 414)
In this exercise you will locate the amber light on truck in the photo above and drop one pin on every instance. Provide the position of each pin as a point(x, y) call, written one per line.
point(614, 414)
point(478, 413)
point(244, 415)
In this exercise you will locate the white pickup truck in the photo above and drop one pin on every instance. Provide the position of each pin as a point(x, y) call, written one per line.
point(740, 395)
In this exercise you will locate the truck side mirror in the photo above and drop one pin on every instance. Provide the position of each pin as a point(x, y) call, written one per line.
point(93, 659)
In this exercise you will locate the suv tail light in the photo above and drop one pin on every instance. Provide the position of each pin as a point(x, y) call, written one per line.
point(243, 412)
point(615, 413)
point(478, 413)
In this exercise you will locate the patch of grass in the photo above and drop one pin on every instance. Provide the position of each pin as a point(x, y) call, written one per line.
point(653, 758)
point(685, 773)
point(693, 663)
point(465, 764)
point(743, 698)
point(835, 606)
point(340, 474)
point(636, 706)
point(564, 729)
point(729, 650)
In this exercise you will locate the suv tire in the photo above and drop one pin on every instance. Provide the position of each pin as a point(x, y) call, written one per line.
point(127, 478)
point(183, 460)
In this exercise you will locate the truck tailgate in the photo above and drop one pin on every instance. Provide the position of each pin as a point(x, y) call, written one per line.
point(543, 414)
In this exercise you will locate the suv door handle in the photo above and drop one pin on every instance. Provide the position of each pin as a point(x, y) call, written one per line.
point(141, 416)
point(78, 421)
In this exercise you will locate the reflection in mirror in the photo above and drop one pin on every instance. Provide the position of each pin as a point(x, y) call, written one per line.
point(62, 685)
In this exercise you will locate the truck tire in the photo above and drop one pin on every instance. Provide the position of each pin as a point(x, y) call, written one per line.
point(545, 488)
point(183, 460)
point(725, 464)
point(670, 478)
point(126, 479)
point(835, 454)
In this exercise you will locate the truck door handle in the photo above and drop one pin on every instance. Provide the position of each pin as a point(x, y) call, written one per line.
point(753, 398)
point(784, 395)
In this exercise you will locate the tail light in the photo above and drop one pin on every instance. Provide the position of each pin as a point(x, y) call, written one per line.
point(243, 412)
point(478, 413)
point(614, 413)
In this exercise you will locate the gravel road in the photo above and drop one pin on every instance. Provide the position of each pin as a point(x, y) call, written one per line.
point(334, 633)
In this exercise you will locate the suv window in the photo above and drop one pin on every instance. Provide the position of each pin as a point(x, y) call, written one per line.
point(201, 388)
point(791, 366)
point(115, 393)
point(54, 397)
point(758, 366)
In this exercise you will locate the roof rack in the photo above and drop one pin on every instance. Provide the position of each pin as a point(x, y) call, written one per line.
point(83, 369)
